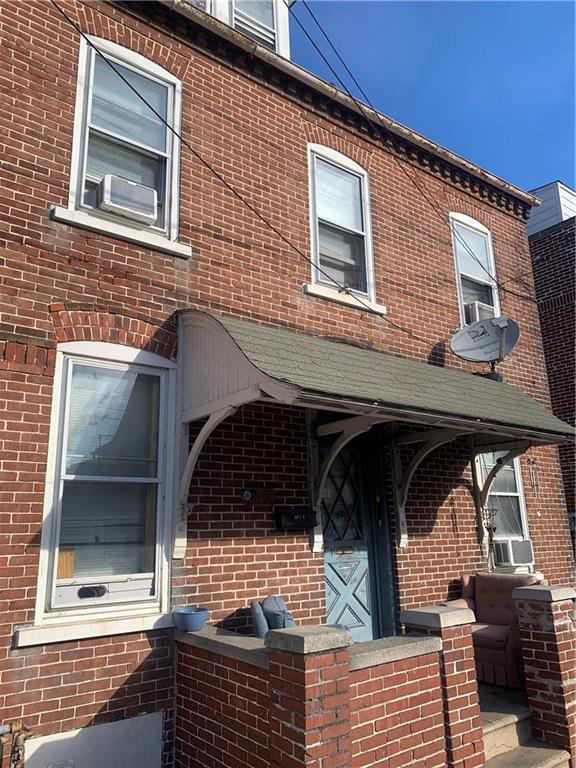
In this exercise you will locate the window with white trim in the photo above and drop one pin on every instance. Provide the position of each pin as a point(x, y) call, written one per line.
point(265, 21)
point(125, 159)
point(477, 289)
point(104, 524)
point(340, 218)
point(256, 18)
point(506, 506)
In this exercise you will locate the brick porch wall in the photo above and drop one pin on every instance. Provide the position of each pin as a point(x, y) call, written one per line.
point(316, 707)
point(222, 711)
point(397, 714)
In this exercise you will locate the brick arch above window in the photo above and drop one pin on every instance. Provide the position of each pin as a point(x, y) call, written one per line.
point(73, 322)
point(340, 141)
point(141, 42)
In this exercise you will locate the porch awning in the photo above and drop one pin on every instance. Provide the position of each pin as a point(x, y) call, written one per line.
point(228, 361)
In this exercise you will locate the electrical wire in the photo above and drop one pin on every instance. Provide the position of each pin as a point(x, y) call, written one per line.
point(341, 288)
point(422, 189)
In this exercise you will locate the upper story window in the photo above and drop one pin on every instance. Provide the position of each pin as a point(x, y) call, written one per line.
point(106, 489)
point(340, 222)
point(478, 293)
point(125, 139)
point(265, 21)
point(256, 18)
point(125, 157)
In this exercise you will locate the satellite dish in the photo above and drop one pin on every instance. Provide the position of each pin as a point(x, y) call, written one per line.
point(486, 341)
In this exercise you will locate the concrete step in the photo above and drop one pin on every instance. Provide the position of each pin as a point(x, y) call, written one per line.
point(535, 754)
point(505, 720)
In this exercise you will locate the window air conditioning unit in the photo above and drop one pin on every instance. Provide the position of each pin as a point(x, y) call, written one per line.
point(512, 552)
point(128, 199)
point(477, 310)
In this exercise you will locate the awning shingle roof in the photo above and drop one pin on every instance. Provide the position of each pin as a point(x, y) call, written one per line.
point(338, 370)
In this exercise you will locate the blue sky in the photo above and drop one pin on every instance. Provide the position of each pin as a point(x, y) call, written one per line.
point(492, 81)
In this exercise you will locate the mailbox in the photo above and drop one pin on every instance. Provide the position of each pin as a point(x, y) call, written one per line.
point(294, 518)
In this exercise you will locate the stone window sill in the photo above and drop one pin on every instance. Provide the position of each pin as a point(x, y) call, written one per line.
point(86, 220)
point(44, 634)
point(331, 294)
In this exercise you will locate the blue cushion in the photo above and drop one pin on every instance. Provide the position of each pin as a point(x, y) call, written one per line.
point(276, 614)
point(258, 620)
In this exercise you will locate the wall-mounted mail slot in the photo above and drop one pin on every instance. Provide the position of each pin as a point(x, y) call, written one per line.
point(294, 518)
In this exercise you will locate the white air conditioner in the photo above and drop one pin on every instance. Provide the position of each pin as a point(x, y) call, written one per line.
point(477, 310)
point(128, 199)
point(512, 552)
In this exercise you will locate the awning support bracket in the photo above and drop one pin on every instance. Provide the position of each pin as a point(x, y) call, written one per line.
point(184, 509)
point(349, 429)
point(403, 478)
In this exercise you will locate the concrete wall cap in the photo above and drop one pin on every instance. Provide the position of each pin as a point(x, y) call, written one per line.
point(233, 645)
point(437, 617)
point(544, 593)
point(304, 640)
point(390, 649)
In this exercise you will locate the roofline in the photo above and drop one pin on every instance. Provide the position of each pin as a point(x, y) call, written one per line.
point(551, 183)
point(476, 426)
point(203, 19)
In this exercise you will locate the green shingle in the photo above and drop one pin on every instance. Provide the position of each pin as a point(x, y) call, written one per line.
point(341, 370)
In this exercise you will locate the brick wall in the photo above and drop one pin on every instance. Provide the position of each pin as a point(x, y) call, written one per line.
point(397, 715)
point(59, 687)
point(222, 711)
point(234, 553)
point(553, 256)
point(59, 282)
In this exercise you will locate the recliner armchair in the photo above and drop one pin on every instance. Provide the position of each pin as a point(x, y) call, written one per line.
point(495, 634)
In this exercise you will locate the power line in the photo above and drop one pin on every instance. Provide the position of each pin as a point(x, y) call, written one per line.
point(341, 288)
point(423, 191)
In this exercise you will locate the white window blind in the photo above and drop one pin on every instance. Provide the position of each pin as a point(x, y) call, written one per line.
point(111, 479)
point(340, 221)
point(124, 136)
point(256, 19)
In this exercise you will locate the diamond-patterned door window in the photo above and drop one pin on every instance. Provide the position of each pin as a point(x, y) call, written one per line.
point(341, 500)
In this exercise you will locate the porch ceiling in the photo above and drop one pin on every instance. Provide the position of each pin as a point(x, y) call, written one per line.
point(228, 361)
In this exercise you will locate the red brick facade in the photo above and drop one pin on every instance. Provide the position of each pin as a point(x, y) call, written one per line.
point(62, 283)
point(397, 714)
point(554, 261)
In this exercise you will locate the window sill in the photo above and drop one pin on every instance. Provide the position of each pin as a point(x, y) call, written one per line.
point(331, 294)
point(93, 222)
point(44, 634)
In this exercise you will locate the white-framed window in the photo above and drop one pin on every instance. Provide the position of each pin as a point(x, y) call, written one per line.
point(506, 506)
point(109, 483)
point(475, 269)
point(341, 236)
point(265, 21)
point(125, 169)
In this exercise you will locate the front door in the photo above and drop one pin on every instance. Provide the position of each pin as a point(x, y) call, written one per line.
point(359, 590)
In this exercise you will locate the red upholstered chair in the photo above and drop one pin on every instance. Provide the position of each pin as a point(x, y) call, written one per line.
point(495, 634)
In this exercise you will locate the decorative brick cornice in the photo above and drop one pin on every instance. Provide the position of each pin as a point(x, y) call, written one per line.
point(227, 45)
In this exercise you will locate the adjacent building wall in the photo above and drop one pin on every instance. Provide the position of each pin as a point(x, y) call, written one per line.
point(553, 252)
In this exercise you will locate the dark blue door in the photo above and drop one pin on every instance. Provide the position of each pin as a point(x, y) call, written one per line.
point(358, 570)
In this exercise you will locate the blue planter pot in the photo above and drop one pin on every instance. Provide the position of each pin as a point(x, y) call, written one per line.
point(189, 618)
